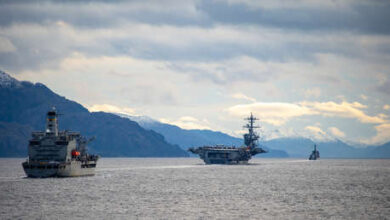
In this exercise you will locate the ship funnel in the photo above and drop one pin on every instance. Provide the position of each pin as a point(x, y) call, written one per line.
point(51, 122)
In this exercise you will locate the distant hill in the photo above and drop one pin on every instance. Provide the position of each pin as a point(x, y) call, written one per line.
point(281, 147)
point(382, 151)
point(194, 137)
point(301, 147)
point(23, 106)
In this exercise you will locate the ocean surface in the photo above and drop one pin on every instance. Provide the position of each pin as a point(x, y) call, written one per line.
point(185, 188)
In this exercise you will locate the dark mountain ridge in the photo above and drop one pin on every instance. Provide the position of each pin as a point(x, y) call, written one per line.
point(23, 106)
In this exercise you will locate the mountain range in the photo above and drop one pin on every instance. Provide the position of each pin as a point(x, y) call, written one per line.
point(23, 106)
point(298, 147)
point(187, 138)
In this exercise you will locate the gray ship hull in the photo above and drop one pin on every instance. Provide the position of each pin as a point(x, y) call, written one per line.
point(69, 169)
point(54, 153)
point(221, 154)
point(225, 155)
point(214, 156)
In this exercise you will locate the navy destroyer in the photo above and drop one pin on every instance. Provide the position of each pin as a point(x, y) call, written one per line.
point(221, 154)
point(315, 154)
point(54, 153)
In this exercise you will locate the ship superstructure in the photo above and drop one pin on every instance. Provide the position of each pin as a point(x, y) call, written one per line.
point(315, 154)
point(221, 154)
point(58, 153)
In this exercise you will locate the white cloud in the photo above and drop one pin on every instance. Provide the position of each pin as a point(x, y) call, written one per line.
point(344, 110)
point(111, 109)
point(188, 122)
point(240, 133)
point(243, 96)
point(277, 113)
point(281, 132)
point(316, 133)
point(336, 132)
point(382, 135)
point(273, 113)
point(6, 45)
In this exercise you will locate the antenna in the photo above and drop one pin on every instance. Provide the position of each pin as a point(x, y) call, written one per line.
point(251, 137)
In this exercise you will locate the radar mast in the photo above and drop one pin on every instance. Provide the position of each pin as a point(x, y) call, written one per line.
point(251, 137)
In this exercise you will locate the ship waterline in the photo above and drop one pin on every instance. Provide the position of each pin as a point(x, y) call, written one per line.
point(66, 169)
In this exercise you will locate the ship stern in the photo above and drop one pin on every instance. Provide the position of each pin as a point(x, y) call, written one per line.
point(39, 170)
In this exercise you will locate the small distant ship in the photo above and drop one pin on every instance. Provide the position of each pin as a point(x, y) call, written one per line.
point(221, 154)
point(315, 154)
point(52, 153)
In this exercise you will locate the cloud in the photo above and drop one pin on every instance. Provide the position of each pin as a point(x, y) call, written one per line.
point(188, 122)
point(282, 132)
point(198, 45)
point(270, 4)
point(6, 45)
point(336, 132)
point(111, 109)
point(277, 113)
point(386, 107)
point(356, 16)
point(382, 135)
point(100, 13)
point(185, 57)
point(343, 110)
point(313, 92)
point(338, 15)
point(243, 96)
point(364, 97)
point(384, 86)
point(231, 70)
point(117, 77)
point(316, 133)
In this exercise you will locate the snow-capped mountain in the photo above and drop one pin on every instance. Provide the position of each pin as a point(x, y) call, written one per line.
point(143, 121)
point(8, 81)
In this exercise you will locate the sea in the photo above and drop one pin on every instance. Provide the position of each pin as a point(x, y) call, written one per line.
point(186, 188)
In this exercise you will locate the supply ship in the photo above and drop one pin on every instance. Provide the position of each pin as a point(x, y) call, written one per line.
point(221, 154)
point(54, 153)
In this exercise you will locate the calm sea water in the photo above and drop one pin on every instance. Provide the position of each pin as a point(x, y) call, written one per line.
point(184, 188)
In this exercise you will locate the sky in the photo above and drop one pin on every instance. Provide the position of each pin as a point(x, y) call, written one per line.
point(315, 69)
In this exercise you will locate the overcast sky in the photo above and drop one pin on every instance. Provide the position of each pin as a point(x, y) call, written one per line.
point(318, 69)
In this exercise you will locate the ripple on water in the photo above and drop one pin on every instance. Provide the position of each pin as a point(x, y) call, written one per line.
point(178, 188)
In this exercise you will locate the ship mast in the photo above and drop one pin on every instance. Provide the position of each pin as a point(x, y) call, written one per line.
point(251, 137)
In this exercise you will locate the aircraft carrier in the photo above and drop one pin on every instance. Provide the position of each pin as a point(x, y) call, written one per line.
point(53, 153)
point(221, 154)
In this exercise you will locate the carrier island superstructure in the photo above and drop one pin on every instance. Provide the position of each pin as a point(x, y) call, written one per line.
point(220, 154)
point(54, 153)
